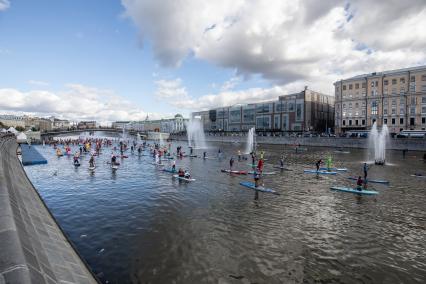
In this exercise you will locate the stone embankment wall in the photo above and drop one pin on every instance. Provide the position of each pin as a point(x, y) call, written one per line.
point(33, 248)
point(412, 144)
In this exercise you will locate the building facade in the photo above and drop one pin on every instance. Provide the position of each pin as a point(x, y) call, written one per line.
point(173, 125)
point(86, 124)
point(170, 125)
point(12, 120)
point(60, 124)
point(304, 111)
point(396, 98)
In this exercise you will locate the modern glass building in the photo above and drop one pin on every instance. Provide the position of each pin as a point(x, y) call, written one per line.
point(304, 111)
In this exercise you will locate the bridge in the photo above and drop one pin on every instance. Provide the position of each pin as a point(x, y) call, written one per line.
point(53, 133)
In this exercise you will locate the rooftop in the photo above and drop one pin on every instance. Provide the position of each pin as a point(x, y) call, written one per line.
point(389, 72)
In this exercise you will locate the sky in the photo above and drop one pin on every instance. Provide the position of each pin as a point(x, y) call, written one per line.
point(114, 60)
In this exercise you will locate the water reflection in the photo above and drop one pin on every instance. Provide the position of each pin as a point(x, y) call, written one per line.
point(140, 225)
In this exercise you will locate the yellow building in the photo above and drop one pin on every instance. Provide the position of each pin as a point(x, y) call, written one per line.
point(396, 98)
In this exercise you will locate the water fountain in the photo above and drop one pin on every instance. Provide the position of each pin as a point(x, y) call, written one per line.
point(250, 147)
point(377, 143)
point(195, 133)
point(138, 139)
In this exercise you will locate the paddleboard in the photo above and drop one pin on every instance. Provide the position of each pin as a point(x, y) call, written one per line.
point(114, 167)
point(76, 165)
point(264, 173)
point(116, 163)
point(183, 178)
point(234, 172)
point(418, 176)
point(335, 169)
point(319, 172)
point(210, 158)
point(259, 188)
point(193, 156)
point(92, 168)
point(342, 152)
point(160, 165)
point(282, 168)
point(353, 190)
point(169, 170)
point(371, 180)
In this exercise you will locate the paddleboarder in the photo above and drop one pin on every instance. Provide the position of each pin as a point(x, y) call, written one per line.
point(365, 168)
point(318, 164)
point(231, 163)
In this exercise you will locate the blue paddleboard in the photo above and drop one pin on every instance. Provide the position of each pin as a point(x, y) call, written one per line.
point(354, 190)
point(169, 170)
point(259, 188)
point(319, 172)
point(372, 180)
point(335, 169)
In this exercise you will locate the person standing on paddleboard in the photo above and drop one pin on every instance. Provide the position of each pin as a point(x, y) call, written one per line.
point(231, 163)
point(260, 165)
point(92, 162)
point(365, 168)
point(318, 164)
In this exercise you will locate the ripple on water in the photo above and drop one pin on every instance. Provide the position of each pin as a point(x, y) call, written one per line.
point(138, 224)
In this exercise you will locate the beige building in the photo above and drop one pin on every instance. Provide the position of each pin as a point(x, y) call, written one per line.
point(12, 120)
point(396, 98)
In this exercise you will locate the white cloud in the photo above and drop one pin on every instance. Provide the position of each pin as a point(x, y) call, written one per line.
point(170, 89)
point(4, 4)
point(38, 83)
point(316, 42)
point(77, 102)
point(231, 83)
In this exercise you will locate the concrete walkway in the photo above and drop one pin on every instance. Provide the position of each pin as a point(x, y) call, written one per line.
point(33, 249)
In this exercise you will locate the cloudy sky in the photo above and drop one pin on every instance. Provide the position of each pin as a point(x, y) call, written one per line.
point(120, 60)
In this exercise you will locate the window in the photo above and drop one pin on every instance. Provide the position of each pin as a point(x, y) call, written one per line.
point(402, 80)
point(290, 106)
point(424, 109)
point(385, 82)
point(363, 122)
point(413, 101)
point(350, 122)
point(364, 85)
point(423, 77)
point(423, 120)
point(412, 121)
point(393, 91)
point(356, 122)
point(356, 86)
point(344, 122)
point(372, 83)
point(249, 115)
point(374, 107)
point(263, 108)
point(393, 121)
point(235, 115)
point(423, 88)
point(393, 102)
point(263, 122)
point(401, 121)
point(356, 105)
point(299, 112)
point(376, 83)
point(385, 111)
point(393, 111)
point(385, 121)
point(277, 121)
point(350, 86)
point(350, 105)
point(363, 112)
point(401, 110)
point(413, 79)
point(393, 81)
point(424, 100)
point(344, 87)
point(413, 110)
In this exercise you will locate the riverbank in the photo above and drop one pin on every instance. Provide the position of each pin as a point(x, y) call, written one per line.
point(411, 144)
point(33, 248)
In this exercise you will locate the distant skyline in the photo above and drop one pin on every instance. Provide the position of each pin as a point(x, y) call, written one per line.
point(121, 60)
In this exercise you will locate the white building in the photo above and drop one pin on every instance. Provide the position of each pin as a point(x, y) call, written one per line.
point(12, 120)
point(173, 125)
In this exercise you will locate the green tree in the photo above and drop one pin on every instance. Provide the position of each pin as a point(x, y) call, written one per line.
point(20, 128)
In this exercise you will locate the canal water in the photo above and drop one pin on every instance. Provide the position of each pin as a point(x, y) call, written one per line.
point(139, 225)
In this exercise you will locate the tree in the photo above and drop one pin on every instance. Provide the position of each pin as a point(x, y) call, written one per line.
point(19, 128)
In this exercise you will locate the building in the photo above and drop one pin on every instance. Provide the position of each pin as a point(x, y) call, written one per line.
point(44, 124)
point(12, 121)
point(60, 124)
point(170, 125)
point(304, 111)
point(173, 125)
point(120, 124)
point(86, 124)
point(396, 98)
